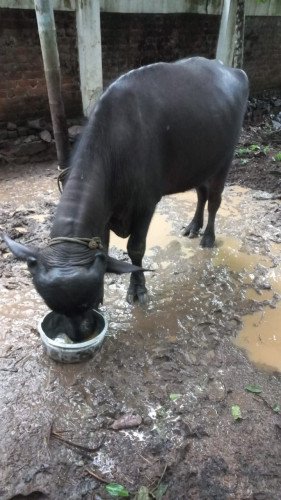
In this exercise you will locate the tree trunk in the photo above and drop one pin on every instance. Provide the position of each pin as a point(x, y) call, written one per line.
point(48, 41)
point(238, 54)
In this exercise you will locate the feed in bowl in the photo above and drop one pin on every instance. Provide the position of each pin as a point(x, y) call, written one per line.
point(54, 330)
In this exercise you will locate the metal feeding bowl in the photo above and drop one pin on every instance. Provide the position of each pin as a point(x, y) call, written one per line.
point(53, 329)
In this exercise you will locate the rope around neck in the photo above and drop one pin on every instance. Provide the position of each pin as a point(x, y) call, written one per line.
point(92, 243)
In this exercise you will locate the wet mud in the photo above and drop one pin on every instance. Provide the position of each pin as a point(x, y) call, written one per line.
point(170, 372)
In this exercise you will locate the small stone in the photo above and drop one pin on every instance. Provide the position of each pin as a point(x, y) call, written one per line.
point(38, 124)
point(11, 126)
point(45, 136)
point(216, 391)
point(31, 147)
point(21, 230)
point(276, 125)
point(74, 131)
point(126, 422)
point(147, 421)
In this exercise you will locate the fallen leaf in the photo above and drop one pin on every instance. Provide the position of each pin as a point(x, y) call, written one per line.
point(256, 389)
point(160, 492)
point(174, 397)
point(142, 494)
point(116, 490)
point(236, 412)
point(276, 408)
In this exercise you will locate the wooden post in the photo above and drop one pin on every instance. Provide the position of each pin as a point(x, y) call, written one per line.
point(90, 52)
point(48, 41)
point(238, 53)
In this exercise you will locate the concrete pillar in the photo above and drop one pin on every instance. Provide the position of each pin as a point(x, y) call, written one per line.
point(226, 38)
point(89, 51)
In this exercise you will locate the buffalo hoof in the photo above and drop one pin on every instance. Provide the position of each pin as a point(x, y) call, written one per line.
point(192, 230)
point(137, 294)
point(208, 241)
point(193, 235)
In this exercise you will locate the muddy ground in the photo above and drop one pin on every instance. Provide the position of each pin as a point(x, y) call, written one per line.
point(177, 366)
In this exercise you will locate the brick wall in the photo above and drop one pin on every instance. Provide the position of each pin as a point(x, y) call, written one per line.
point(262, 53)
point(128, 41)
point(22, 83)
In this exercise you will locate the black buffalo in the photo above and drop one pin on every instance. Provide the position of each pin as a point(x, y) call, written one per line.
point(157, 130)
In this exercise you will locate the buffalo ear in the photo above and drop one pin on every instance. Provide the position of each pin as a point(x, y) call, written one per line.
point(119, 266)
point(21, 251)
point(99, 265)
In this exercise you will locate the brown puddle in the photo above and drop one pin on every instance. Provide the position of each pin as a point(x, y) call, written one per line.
point(159, 235)
point(229, 254)
point(260, 296)
point(261, 338)
point(261, 333)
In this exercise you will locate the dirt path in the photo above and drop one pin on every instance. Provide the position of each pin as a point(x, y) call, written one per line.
point(174, 365)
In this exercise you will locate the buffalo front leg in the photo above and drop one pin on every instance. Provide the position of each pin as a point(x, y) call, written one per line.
point(137, 290)
point(192, 230)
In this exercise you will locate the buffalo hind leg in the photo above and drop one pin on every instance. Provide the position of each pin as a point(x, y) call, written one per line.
point(192, 230)
point(137, 290)
point(215, 189)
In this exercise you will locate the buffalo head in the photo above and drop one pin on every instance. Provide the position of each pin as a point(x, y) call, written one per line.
point(69, 277)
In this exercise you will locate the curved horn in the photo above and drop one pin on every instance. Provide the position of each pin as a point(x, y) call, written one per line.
point(19, 250)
